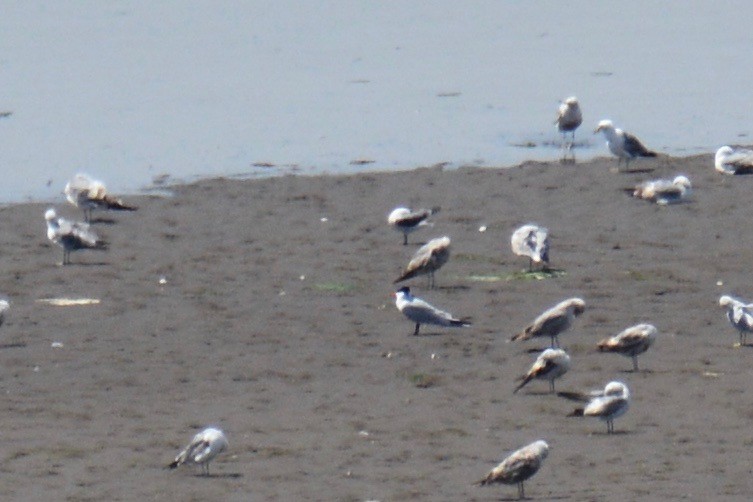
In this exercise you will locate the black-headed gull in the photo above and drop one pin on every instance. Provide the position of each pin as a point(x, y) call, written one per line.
point(421, 312)
point(554, 321)
point(630, 342)
point(519, 466)
point(71, 235)
point(204, 446)
point(406, 221)
point(532, 241)
point(622, 144)
point(428, 259)
point(550, 365)
point(88, 194)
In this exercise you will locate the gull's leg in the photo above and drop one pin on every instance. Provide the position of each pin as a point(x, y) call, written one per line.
point(415, 333)
point(635, 362)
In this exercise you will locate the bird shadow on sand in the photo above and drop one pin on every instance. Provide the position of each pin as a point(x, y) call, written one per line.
point(102, 221)
point(18, 345)
point(428, 334)
point(229, 475)
point(534, 497)
point(452, 289)
point(84, 264)
point(537, 393)
point(639, 170)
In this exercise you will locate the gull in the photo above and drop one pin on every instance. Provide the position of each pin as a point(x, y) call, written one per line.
point(622, 144)
point(4, 307)
point(421, 312)
point(406, 221)
point(607, 405)
point(88, 194)
point(569, 118)
point(518, 466)
point(630, 342)
point(739, 314)
point(733, 161)
point(554, 321)
point(71, 235)
point(204, 446)
point(551, 364)
point(429, 258)
point(532, 241)
point(664, 192)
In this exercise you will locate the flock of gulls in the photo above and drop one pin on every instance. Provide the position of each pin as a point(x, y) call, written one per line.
point(530, 241)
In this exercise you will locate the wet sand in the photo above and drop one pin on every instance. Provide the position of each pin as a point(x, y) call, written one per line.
point(276, 324)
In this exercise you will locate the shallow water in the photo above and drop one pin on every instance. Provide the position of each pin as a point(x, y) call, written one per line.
point(128, 91)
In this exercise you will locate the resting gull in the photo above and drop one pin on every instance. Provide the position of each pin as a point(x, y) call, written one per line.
point(740, 315)
point(733, 161)
point(551, 364)
point(4, 307)
point(532, 241)
point(519, 466)
point(71, 235)
point(421, 312)
point(428, 259)
point(554, 321)
point(406, 221)
point(630, 342)
point(88, 194)
point(612, 403)
point(622, 144)
point(569, 118)
point(664, 192)
point(204, 446)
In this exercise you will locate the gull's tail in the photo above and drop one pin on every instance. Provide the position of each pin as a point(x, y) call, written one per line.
point(465, 322)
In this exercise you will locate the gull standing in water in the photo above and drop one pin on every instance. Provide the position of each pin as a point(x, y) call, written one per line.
point(421, 312)
point(664, 192)
point(569, 118)
point(88, 194)
point(630, 342)
point(406, 221)
point(739, 314)
point(554, 321)
point(532, 241)
point(71, 235)
point(428, 259)
point(733, 161)
point(622, 144)
point(612, 403)
point(204, 446)
point(519, 466)
point(551, 364)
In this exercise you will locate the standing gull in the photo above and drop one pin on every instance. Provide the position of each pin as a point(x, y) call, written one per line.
point(622, 144)
point(518, 466)
point(421, 312)
point(630, 342)
point(429, 258)
point(204, 446)
point(664, 192)
point(569, 118)
point(71, 235)
point(551, 364)
point(88, 194)
point(739, 314)
point(733, 161)
point(612, 403)
point(554, 321)
point(406, 221)
point(532, 241)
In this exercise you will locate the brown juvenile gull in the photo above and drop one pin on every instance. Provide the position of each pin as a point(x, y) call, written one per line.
point(611, 404)
point(71, 235)
point(429, 258)
point(729, 160)
point(204, 446)
point(630, 342)
point(739, 314)
point(532, 241)
point(518, 466)
point(569, 118)
point(664, 192)
point(622, 144)
point(88, 194)
point(551, 364)
point(421, 312)
point(554, 321)
point(406, 221)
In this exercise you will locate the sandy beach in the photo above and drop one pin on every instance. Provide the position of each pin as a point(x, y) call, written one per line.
point(275, 322)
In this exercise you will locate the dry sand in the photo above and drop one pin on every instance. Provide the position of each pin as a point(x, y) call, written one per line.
point(278, 326)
